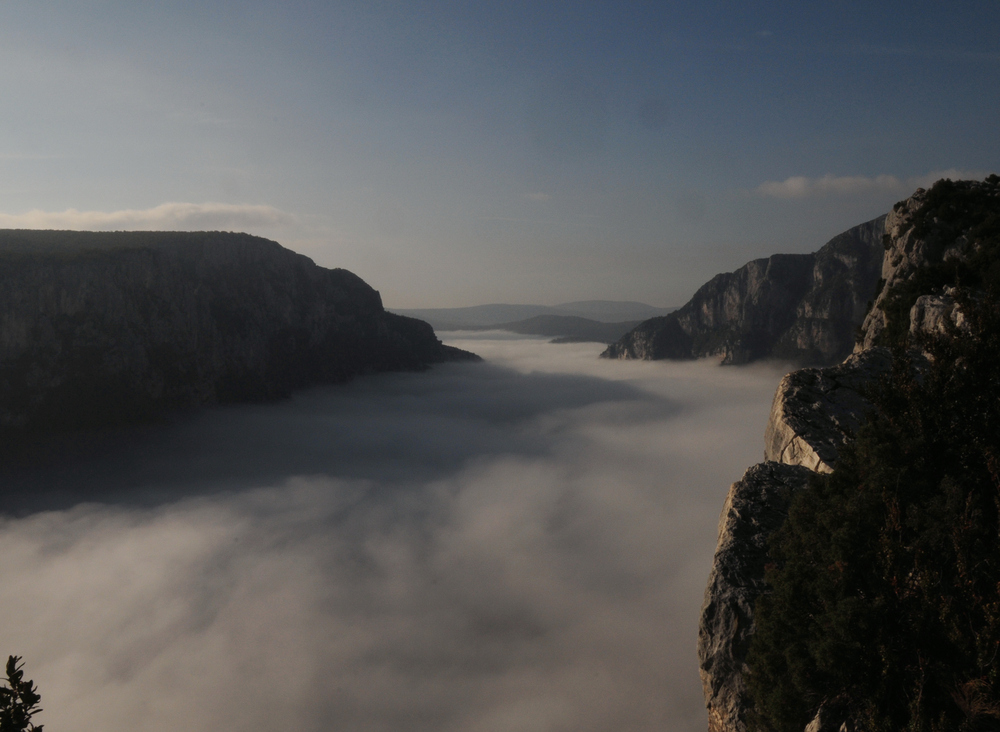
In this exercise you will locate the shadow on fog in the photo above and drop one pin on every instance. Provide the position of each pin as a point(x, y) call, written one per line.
point(396, 429)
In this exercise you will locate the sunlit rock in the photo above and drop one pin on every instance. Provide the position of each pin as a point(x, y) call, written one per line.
point(816, 411)
point(798, 307)
point(936, 315)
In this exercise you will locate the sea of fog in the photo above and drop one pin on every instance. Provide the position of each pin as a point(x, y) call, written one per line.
point(514, 546)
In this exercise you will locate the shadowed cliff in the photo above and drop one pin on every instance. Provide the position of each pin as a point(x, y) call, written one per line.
point(100, 329)
point(798, 307)
point(855, 582)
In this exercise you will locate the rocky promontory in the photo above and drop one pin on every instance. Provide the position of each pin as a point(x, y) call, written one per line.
point(932, 262)
point(110, 328)
point(803, 308)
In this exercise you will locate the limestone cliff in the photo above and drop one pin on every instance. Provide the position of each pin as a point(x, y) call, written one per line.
point(816, 410)
point(926, 255)
point(754, 509)
point(109, 328)
point(800, 307)
point(814, 414)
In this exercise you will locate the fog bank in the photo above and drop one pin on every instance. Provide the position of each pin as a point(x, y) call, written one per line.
point(511, 546)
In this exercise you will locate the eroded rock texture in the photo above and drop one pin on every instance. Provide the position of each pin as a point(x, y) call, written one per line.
point(800, 307)
point(109, 328)
point(755, 508)
point(816, 411)
point(911, 252)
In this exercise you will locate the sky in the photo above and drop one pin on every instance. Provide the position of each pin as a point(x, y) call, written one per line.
point(459, 153)
point(519, 545)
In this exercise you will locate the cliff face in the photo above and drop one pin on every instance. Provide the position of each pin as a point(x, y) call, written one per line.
point(106, 328)
point(917, 272)
point(815, 413)
point(799, 307)
point(755, 508)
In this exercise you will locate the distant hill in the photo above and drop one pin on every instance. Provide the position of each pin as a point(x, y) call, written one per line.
point(567, 328)
point(477, 316)
point(609, 311)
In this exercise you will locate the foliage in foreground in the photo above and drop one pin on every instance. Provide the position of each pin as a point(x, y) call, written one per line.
point(885, 587)
point(18, 700)
point(884, 601)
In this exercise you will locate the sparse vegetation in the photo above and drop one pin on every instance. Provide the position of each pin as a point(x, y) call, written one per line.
point(884, 586)
point(18, 700)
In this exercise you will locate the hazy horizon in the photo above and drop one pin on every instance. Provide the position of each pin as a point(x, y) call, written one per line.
point(454, 154)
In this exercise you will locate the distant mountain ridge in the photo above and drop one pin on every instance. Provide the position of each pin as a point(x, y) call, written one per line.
point(604, 311)
point(566, 328)
point(803, 308)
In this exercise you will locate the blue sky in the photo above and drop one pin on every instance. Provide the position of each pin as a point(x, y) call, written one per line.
point(459, 153)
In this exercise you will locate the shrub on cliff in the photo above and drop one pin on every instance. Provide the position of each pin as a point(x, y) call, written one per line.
point(18, 700)
point(884, 598)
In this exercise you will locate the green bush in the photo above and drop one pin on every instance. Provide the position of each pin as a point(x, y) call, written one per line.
point(885, 579)
point(18, 700)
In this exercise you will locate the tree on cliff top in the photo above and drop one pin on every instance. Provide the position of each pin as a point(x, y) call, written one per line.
point(884, 587)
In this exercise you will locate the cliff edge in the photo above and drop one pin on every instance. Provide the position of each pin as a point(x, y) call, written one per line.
point(928, 252)
point(110, 328)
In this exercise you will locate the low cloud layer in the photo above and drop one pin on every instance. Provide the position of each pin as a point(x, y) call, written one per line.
point(829, 185)
point(511, 546)
point(166, 216)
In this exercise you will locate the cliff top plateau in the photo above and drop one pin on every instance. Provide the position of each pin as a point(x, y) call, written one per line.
point(101, 329)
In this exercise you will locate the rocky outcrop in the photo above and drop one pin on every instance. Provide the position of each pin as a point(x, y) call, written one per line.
point(929, 249)
point(755, 508)
point(815, 413)
point(906, 254)
point(110, 328)
point(936, 315)
point(799, 307)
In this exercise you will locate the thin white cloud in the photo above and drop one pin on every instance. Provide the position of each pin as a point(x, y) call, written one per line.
point(166, 216)
point(542, 197)
point(802, 187)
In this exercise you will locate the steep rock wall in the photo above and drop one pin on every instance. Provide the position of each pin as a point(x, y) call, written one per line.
point(755, 507)
point(814, 414)
point(108, 328)
point(800, 307)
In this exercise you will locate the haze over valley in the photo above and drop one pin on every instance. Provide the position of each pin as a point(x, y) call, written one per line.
point(454, 366)
point(520, 544)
